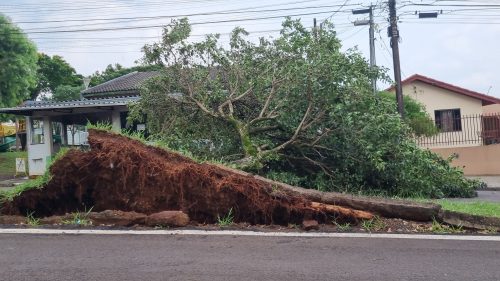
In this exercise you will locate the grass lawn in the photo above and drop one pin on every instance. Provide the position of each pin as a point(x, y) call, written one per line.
point(480, 208)
point(8, 162)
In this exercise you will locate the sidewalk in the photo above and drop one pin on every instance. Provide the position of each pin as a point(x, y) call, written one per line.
point(492, 182)
point(9, 183)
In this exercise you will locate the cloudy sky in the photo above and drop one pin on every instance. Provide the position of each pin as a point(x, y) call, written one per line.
point(459, 47)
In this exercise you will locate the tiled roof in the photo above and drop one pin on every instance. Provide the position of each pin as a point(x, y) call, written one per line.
point(443, 85)
point(30, 106)
point(127, 84)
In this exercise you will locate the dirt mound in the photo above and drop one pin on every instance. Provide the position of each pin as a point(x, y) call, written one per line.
point(119, 173)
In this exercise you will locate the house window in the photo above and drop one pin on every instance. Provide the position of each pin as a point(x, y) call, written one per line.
point(448, 120)
point(37, 136)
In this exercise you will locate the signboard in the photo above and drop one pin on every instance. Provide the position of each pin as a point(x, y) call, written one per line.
point(141, 127)
point(21, 166)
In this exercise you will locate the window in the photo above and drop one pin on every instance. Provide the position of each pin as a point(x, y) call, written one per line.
point(448, 120)
point(37, 136)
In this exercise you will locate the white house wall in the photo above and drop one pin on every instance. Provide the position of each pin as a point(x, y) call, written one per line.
point(435, 98)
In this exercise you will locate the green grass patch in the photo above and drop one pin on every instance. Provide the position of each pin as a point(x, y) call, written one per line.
point(226, 220)
point(104, 126)
point(8, 162)
point(39, 182)
point(479, 208)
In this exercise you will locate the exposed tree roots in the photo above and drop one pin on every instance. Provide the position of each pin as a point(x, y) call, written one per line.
point(123, 174)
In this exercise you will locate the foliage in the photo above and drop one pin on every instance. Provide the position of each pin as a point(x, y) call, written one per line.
point(295, 108)
point(52, 73)
point(416, 116)
point(67, 92)
point(114, 71)
point(375, 224)
point(343, 226)
point(39, 182)
point(226, 220)
point(31, 220)
point(79, 218)
point(443, 229)
point(104, 126)
point(17, 64)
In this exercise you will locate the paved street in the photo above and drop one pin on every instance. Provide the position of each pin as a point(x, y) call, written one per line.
point(178, 257)
point(483, 196)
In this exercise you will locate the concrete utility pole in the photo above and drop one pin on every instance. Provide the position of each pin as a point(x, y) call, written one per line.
point(370, 22)
point(394, 34)
point(373, 63)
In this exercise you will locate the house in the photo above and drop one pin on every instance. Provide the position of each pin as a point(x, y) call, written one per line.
point(47, 122)
point(457, 112)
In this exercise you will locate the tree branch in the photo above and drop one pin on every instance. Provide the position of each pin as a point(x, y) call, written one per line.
point(270, 96)
point(198, 103)
point(301, 124)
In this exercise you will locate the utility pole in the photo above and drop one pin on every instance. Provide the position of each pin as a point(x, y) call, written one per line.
point(373, 63)
point(394, 34)
point(372, 38)
point(315, 29)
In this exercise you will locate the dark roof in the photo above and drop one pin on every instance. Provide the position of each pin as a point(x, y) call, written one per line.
point(30, 106)
point(487, 100)
point(127, 84)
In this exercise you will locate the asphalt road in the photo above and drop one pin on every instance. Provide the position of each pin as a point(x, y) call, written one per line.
point(178, 257)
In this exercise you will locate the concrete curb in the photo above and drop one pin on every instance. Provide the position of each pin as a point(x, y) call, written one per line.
point(469, 221)
point(236, 233)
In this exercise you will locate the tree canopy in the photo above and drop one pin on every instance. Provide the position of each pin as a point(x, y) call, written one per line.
point(296, 108)
point(18, 66)
point(66, 92)
point(416, 117)
point(114, 71)
point(52, 73)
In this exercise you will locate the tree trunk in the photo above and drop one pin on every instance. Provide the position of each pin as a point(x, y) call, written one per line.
point(246, 143)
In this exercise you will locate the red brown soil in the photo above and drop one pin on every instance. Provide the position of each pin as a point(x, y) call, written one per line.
point(119, 173)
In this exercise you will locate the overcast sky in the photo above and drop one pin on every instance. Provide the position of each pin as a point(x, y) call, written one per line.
point(461, 46)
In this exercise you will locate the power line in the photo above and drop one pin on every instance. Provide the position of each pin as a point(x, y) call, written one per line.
point(235, 11)
point(162, 25)
point(187, 15)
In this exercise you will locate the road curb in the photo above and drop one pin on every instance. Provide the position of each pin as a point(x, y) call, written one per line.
point(236, 233)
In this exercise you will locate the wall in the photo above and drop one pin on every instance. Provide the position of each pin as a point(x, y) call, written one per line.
point(435, 98)
point(476, 161)
point(38, 154)
point(492, 109)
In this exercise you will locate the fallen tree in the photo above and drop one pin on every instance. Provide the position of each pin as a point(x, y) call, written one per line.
point(119, 173)
point(295, 108)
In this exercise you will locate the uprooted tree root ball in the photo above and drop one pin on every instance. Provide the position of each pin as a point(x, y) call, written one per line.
point(119, 173)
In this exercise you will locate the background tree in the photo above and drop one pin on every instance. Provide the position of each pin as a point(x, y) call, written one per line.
point(66, 92)
point(114, 71)
point(17, 64)
point(54, 72)
point(416, 116)
point(295, 108)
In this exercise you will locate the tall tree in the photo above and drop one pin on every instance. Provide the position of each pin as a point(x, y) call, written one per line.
point(17, 64)
point(54, 72)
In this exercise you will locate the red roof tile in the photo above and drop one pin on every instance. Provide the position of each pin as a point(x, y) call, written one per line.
point(443, 85)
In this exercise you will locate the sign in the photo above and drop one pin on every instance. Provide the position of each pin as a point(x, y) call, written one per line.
point(21, 166)
point(141, 127)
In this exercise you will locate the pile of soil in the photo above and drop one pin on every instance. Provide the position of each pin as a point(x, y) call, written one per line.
point(119, 173)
